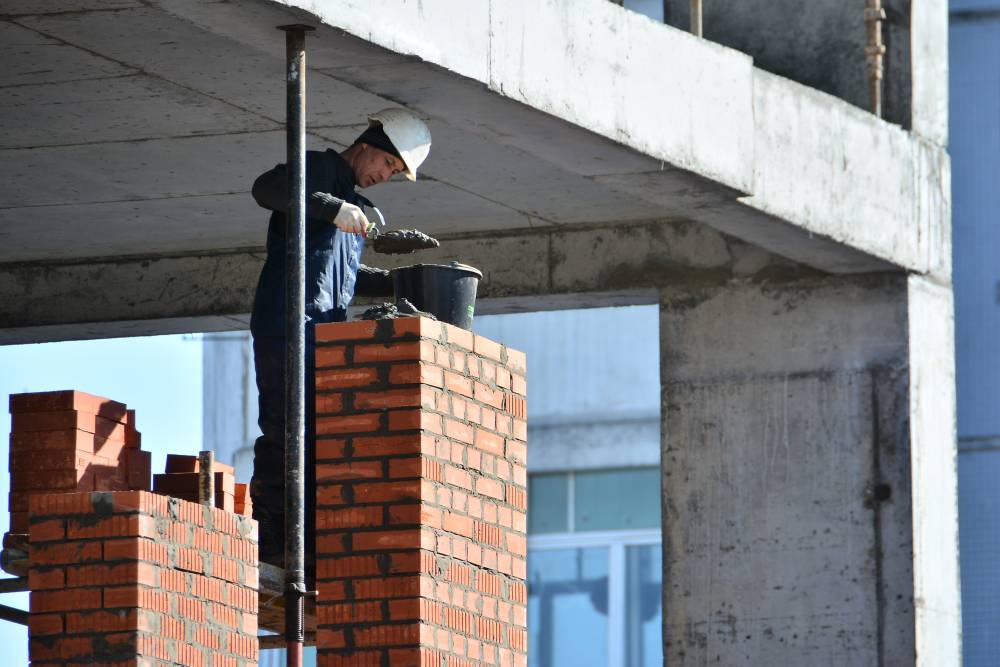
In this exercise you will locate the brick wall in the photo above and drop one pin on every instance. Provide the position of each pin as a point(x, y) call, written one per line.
point(64, 441)
point(421, 496)
point(135, 578)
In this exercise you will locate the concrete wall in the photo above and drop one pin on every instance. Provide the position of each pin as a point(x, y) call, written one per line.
point(789, 414)
point(822, 44)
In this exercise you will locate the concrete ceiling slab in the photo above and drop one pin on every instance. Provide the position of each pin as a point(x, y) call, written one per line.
point(147, 227)
point(137, 128)
point(176, 167)
point(518, 179)
point(191, 57)
point(120, 109)
point(32, 7)
point(30, 57)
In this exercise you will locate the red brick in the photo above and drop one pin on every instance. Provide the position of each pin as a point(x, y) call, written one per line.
point(388, 398)
point(458, 431)
point(330, 494)
point(340, 565)
point(416, 326)
point(329, 403)
point(416, 373)
point(65, 600)
point(64, 553)
point(363, 423)
point(490, 487)
point(458, 524)
point(487, 348)
point(344, 378)
point(67, 419)
point(45, 624)
point(359, 330)
point(351, 517)
point(49, 401)
point(329, 449)
point(46, 531)
point(489, 442)
point(459, 337)
point(517, 361)
point(458, 477)
point(46, 579)
point(396, 351)
point(139, 468)
point(381, 492)
point(407, 538)
point(336, 472)
point(327, 356)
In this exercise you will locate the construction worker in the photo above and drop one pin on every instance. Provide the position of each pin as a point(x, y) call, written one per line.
point(395, 142)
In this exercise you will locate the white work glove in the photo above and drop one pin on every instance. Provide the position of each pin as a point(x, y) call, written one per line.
point(351, 219)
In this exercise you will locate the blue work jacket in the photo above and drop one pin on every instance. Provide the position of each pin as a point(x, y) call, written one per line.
point(332, 257)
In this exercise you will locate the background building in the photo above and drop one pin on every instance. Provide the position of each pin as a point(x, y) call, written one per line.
point(975, 153)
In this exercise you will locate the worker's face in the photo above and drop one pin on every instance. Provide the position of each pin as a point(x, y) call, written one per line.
point(374, 166)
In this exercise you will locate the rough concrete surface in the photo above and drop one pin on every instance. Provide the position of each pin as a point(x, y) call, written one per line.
point(935, 472)
point(610, 118)
point(789, 418)
point(523, 270)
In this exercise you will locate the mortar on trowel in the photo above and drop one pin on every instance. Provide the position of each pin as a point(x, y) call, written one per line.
point(446, 291)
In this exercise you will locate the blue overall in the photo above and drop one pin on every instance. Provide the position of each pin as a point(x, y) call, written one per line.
point(332, 262)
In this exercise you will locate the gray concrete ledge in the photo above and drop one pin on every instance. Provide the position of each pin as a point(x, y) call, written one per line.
point(834, 173)
point(524, 270)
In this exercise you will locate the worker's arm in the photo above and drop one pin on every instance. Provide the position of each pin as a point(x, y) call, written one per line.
point(270, 191)
point(373, 281)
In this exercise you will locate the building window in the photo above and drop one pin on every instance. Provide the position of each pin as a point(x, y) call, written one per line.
point(595, 568)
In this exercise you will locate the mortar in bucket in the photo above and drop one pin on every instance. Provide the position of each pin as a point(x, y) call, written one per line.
point(447, 291)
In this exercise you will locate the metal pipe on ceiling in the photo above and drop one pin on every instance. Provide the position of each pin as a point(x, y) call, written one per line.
point(295, 310)
point(696, 18)
point(874, 53)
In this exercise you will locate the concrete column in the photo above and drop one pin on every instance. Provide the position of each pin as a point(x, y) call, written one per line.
point(791, 415)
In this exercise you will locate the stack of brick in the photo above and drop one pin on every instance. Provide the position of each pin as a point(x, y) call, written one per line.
point(65, 441)
point(421, 496)
point(181, 481)
point(135, 578)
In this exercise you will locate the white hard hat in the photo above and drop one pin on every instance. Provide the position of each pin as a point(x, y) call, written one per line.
point(407, 133)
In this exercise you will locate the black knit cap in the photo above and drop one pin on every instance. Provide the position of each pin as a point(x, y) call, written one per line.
point(376, 137)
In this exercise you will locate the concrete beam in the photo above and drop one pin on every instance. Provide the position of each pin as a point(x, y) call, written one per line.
point(523, 270)
point(879, 189)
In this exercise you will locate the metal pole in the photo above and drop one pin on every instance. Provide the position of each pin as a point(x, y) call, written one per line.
point(696, 24)
point(874, 52)
point(295, 309)
point(206, 478)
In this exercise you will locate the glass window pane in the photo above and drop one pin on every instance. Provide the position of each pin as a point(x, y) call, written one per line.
point(617, 499)
point(568, 607)
point(643, 599)
point(548, 510)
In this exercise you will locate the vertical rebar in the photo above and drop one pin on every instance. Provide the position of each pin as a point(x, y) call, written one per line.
point(874, 52)
point(206, 478)
point(295, 310)
point(696, 23)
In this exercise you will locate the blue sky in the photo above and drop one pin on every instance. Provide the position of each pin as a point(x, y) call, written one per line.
point(158, 376)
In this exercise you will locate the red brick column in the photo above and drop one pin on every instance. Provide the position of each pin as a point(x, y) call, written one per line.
point(66, 441)
point(135, 578)
point(421, 496)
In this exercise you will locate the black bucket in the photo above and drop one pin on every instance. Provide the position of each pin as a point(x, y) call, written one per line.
point(448, 291)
